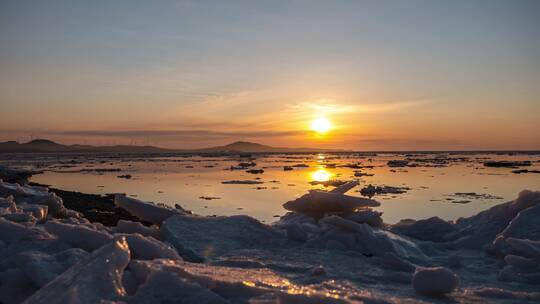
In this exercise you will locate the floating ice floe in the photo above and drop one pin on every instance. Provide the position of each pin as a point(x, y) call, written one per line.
point(507, 164)
point(317, 203)
point(145, 211)
point(242, 182)
point(371, 190)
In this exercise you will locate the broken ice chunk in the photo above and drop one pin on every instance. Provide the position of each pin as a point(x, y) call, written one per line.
point(95, 279)
point(78, 236)
point(317, 203)
point(33, 195)
point(434, 281)
point(148, 212)
point(148, 248)
point(169, 287)
point(212, 236)
point(124, 226)
point(42, 268)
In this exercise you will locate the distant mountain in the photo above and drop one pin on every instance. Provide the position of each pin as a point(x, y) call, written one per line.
point(48, 146)
point(249, 147)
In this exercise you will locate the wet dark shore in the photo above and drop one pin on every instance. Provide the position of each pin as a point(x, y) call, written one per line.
point(95, 208)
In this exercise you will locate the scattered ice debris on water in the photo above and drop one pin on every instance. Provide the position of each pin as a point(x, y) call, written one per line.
point(507, 164)
point(328, 183)
point(371, 190)
point(397, 163)
point(209, 198)
point(474, 195)
point(520, 171)
point(361, 174)
point(247, 164)
point(242, 182)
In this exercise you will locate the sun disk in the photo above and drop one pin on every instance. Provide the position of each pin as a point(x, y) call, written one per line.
point(321, 125)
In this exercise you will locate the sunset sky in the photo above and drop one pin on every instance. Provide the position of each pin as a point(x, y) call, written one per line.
point(386, 75)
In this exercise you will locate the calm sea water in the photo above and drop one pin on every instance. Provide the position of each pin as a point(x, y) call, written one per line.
point(190, 181)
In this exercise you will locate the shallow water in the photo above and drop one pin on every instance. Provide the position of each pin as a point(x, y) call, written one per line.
point(184, 180)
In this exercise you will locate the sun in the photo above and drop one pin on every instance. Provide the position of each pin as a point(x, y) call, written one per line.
point(321, 125)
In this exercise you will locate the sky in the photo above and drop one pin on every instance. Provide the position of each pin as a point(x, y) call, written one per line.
point(387, 75)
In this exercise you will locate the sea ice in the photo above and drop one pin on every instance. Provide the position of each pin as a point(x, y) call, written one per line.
point(33, 195)
point(42, 268)
point(78, 236)
point(211, 236)
point(432, 229)
point(435, 281)
point(168, 287)
point(317, 203)
point(148, 248)
point(478, 231)
point(95, 279)
point(148, 212)
point(124, 226)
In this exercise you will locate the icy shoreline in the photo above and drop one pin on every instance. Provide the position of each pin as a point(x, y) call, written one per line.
point(330, 248)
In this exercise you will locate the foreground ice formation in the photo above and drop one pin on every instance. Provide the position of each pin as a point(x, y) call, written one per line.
point(198, 237)
point(330, 248)
point(95, 279)
point(435, 281)
point(36, 196)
